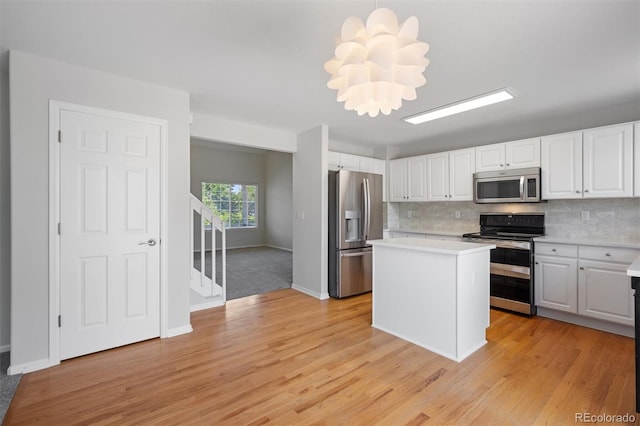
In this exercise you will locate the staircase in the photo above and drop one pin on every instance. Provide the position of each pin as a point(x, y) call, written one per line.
point(203, 222)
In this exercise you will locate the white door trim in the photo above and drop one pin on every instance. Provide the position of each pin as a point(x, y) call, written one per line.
point(55, 108)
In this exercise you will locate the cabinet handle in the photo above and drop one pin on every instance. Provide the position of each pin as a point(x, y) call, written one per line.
point(586, 190)
point(582, 268)
point(501, 165)
point(537, 263)
point(508, 164)
point(608, 254)
point(553, 250)
point(577, 192)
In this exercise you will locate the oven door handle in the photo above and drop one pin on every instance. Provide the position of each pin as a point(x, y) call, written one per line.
point(510, 270)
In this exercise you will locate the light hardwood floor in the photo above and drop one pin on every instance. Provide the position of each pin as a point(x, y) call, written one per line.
point(286, 358)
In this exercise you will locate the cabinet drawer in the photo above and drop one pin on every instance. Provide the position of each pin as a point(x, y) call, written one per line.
point(556, 249)
point(609, 254)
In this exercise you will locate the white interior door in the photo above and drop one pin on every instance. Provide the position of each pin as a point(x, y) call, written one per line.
point(110, 219)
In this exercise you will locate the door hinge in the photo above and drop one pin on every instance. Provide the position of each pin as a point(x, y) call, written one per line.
point(59, 228)
point(59, 136)
point(59, 320)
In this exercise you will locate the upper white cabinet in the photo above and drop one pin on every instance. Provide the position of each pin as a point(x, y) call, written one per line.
point(508, 155)
point(462, 166)
point(408, 179)
point(438, 176)
point(339, 160)
point(636, 150)
point(561, 166)
point(450, 175)
point(608, 162)
point(596, 163)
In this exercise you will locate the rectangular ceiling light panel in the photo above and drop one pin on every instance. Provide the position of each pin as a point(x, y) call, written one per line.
point(462, 106)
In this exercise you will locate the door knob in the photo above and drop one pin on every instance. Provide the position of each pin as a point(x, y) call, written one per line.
point(151, 242)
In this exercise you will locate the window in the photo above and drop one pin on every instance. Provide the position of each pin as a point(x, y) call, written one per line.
point(235, 204)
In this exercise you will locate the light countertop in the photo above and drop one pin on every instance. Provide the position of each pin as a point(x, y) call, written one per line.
point(606, 243)
point(634, 269)
point(432, 246)
point(413, 231)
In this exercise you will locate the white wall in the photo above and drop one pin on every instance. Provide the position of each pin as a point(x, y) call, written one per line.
point(310, 199)
point(278, 177)
point(226, 166)
point(5, 202)
point(33, 82)
point(218, 129)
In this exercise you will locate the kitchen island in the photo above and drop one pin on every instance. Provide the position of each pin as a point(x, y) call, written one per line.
point(433, 293)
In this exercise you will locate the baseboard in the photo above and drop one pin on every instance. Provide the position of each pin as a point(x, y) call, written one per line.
point(278, 248)
point(28, 367)
point(5, 348)
point(173, 332)
point(321, 296)
point(207, 305)
point(609, 327)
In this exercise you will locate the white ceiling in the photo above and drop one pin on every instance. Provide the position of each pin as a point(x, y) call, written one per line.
point(572, 63)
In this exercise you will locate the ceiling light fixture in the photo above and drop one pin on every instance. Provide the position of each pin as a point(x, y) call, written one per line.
point(378, 65)
point(462, 106)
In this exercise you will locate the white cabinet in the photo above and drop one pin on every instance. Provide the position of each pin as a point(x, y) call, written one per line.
point(608, 162)
point(450, 175)
point(636, 161)
point(438, 177)
point(339, 160)
point(596, 163)
point(408, 179)
point(589, 281)
point(508, 155)
point(604, 291)
point(556, 282)
point(462, 166)
point(561, 166)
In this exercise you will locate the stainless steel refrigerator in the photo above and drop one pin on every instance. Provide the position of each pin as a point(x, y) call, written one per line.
point(355, 216)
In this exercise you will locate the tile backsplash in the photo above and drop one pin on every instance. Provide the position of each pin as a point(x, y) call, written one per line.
point(608, 219)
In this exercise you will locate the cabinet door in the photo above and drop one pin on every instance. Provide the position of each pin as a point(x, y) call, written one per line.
point(397, 180)
point(438, 177)
point(333, 160)
point(521, 154)
point(636, 161)
point(490, 157)
point(604, 292)
point(350, 162)
point(608, 162)
point(561, 165)
point(462, 166)
point(556, 283)
point(417, 178)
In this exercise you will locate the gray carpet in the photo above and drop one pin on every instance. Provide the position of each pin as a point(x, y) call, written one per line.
point(8, 384)
point(254, 270)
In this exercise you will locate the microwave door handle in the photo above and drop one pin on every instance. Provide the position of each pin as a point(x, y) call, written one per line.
point(522, 187)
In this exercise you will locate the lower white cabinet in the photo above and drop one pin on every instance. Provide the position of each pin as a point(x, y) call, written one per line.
point(589, 281)
point(604, 291)
point(556, 283)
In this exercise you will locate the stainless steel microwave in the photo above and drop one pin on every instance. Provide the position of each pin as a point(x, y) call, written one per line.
point(507, 186)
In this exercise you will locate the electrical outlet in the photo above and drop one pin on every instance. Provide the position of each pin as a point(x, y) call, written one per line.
point(457, 214)
point(409, 214)
point(585, 215)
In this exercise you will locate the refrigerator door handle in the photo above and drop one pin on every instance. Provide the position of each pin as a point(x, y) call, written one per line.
point(368, 210)
point(365, 202)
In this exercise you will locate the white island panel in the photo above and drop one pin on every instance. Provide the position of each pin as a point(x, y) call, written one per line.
point(432, 294)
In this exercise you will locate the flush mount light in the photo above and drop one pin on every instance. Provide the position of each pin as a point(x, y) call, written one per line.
point(378, 65)
point(462, 106)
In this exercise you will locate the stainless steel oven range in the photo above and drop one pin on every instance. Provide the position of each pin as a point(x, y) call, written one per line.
point(511, 281)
